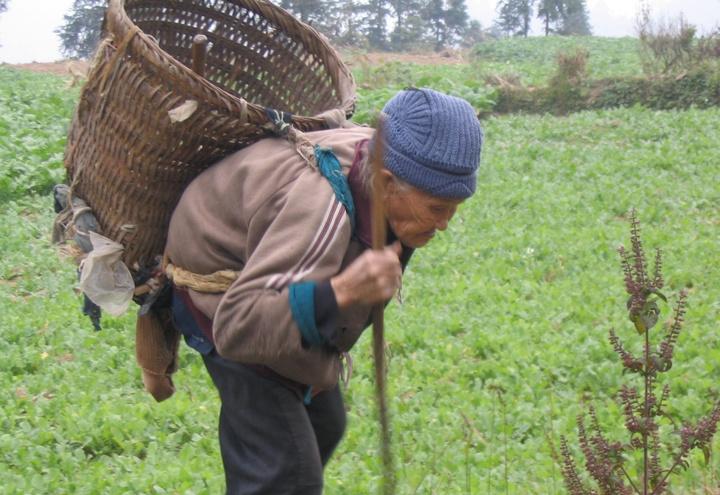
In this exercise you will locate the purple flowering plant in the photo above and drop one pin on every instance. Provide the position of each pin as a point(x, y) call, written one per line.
point(657, 445)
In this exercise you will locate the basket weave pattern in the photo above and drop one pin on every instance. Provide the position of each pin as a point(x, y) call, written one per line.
point(131, 162)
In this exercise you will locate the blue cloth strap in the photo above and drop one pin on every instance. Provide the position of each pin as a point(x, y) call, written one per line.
point(302, 307)
point(330, 168)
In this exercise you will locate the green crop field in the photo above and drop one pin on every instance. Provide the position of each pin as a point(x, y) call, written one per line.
point(530, 61)
point(501, 337)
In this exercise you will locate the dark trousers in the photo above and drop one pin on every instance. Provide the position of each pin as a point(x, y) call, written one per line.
point(271, 442)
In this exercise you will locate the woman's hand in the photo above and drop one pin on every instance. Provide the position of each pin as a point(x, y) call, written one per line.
point(372, 278)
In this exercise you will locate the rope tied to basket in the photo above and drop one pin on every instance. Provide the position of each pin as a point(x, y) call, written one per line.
point(280, 122)
point(212, 283)
point(303, 146)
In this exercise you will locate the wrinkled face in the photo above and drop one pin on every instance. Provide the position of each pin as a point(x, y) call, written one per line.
point(415, 216)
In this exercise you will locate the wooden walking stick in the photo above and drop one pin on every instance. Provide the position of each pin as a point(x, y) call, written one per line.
point(379, 232)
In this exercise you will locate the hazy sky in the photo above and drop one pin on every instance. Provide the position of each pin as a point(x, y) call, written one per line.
point(27, 28)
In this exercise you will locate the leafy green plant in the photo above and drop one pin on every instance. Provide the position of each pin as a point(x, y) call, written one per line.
point(535, 57)
point(34, 116)
point(610, 463)
point(378, 85)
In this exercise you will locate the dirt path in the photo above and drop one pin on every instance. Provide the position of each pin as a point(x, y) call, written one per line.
point(352, 58)
point(61, 68)
point(448, 57)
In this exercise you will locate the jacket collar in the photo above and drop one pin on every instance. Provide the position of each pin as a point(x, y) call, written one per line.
point(363, 210)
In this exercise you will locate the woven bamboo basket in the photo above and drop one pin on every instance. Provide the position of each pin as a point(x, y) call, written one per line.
point(130, 161)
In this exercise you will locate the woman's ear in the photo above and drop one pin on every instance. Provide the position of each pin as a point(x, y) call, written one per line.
point(387, 181)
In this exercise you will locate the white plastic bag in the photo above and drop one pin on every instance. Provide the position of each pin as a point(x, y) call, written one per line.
point(104, 278)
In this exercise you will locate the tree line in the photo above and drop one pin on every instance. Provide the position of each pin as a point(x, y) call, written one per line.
point(389, 24)
point(564, 17)
point(404, 24)
point(393, 25)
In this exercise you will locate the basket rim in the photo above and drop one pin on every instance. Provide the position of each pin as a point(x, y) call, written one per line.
point(118, 22)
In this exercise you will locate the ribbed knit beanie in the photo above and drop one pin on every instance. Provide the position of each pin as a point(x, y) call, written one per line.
point(433, 142)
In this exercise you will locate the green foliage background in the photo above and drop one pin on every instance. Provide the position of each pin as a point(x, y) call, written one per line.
point(521, 75)
point(502, 334)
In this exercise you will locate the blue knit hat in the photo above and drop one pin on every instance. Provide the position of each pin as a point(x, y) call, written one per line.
point(433, 142)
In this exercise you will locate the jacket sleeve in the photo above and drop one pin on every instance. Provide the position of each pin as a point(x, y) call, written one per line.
point(300, 234)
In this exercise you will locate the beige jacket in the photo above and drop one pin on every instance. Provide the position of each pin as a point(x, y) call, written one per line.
point(266, 213)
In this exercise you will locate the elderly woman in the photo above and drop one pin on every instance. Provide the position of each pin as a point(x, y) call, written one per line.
point(298, 237)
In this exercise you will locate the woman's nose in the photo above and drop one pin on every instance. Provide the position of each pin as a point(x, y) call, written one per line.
point(442, 223)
